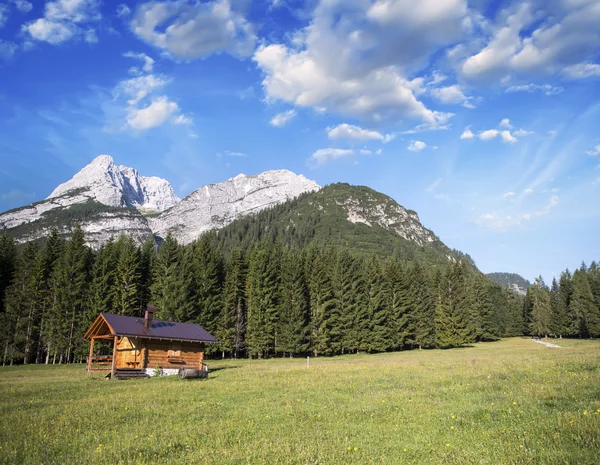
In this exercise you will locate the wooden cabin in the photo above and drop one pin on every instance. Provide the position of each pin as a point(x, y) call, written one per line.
point(143, 347)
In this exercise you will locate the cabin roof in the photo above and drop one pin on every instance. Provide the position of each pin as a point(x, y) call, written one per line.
point(120, 325)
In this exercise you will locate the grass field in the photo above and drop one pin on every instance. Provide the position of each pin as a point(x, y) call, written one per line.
point(511, 401)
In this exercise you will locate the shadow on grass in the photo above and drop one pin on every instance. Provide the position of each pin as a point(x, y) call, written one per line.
point(212, 370)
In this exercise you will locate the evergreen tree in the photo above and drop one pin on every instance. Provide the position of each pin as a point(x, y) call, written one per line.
point(262, 300)
point(128, 277)
point(452, 325)
point(423, 311)
point(70, 288)
point(8, 258)
point(21, 306)
point(207, 283)
point(231, 327)
point(380, 339)
point(482, 311)
point(348, 291)
point(292, 326)
point(586, 315)
point(147, 258)
point(325, 337)
point(540, 309)
point(171, 282)
point(400, 304)
point(103, 287)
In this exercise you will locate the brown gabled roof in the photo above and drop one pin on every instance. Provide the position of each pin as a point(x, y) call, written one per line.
point(120, 325)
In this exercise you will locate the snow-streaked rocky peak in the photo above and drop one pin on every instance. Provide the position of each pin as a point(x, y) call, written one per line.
point(216, 205)
point(120, 186)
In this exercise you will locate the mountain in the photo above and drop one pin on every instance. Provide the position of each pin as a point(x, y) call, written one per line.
point(107, 199)
point(119, 186)
point(351, 217)
point(513, 281)
point(216, 205)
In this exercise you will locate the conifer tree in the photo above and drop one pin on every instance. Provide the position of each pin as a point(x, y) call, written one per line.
point(8, 257)
point(231, 327)
point(102, 288)
point(325, 337)
point(70, 287)
point(452, 325)
point(423, 312)
point(379, 313)
point(171, 282)
point(398, 301)
point(482, 310)
point(586, 315)
point(540, 309)
point(207, 283)
point(348, 290)
point(50, 258)
point(127, 285)
point(262, 300)
point(21, 305)
point(292, 337)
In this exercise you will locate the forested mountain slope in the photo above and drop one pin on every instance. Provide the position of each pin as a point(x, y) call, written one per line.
point(354, 218)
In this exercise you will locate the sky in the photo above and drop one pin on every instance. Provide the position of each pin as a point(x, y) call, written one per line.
point(483, 116)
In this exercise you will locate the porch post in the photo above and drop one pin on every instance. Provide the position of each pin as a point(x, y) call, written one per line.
point(114, 359)
point(89, 363)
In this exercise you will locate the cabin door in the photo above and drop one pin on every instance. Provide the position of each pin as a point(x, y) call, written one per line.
point(129, 354)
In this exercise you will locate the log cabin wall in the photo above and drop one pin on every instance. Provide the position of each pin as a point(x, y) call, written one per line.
point(173, 355)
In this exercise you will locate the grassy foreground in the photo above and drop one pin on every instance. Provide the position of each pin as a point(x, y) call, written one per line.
point(511, 401)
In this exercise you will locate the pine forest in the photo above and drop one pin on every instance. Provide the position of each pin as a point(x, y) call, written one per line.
point(264, 299)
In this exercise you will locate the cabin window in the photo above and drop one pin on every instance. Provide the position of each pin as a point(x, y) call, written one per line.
point(175, 351)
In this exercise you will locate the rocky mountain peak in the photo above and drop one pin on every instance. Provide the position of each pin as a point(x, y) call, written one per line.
point(119, 186)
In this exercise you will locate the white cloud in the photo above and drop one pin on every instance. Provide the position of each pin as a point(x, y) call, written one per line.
point(582, 70)
point(148, 61)
point(281, 119)
point(191, 31)
point(349, 131)
point(347, 60)
point(551, 204)
point(467, 133)
point(505, 123)
point(63, 20)
point(7, 49)
point(528, 191)
point(416, 145)
point(141, 86)
point(183, 120)
point(545, 88)
point(229, 153)
point(594, 152)
point(23, 5)
point(489, 134)
point(123, 10)
point(521, 132)
point(153, 115)
point(322, 156)
point(451, 94)
point(496, 221)
point(441, 196)
point(508, 195)
point(533, 38)
point(49, 31)
point(434, 185)
point(508, 137)
point(3, 15)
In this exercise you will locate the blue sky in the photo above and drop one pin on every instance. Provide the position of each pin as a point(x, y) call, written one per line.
point(482, 116)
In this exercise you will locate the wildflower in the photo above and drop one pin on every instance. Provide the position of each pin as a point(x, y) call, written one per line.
point(404, 449)
point(585, 412)
point(356, 448)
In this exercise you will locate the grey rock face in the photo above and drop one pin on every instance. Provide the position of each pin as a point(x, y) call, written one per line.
point(216, 205)
point(120, 186)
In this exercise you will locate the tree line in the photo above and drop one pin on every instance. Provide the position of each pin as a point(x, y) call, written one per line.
point(267, 299)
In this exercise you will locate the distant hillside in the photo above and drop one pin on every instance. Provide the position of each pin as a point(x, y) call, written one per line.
point(511, 280)
point(356, 218)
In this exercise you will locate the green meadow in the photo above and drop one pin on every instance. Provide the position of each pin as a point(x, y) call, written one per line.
point(512, 401)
